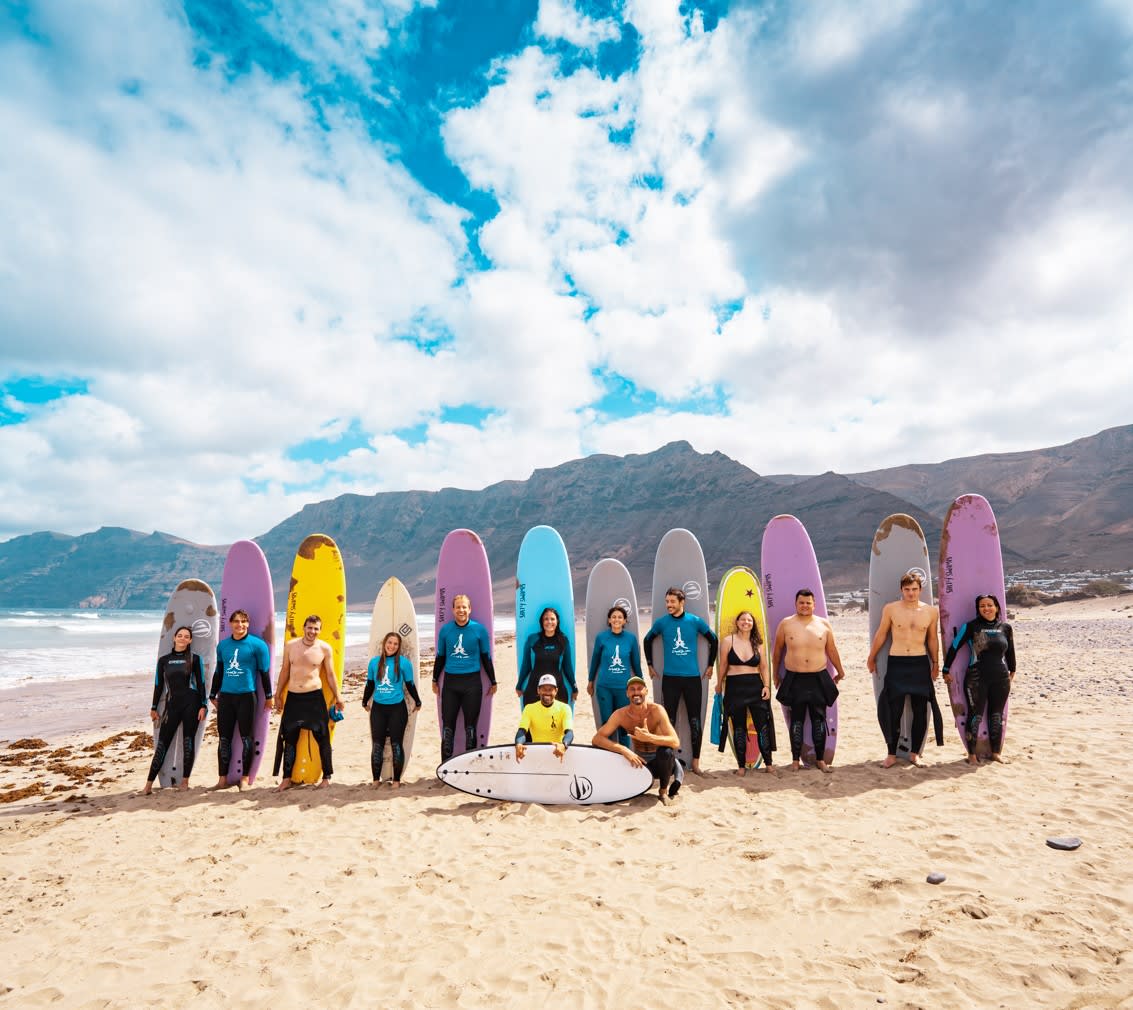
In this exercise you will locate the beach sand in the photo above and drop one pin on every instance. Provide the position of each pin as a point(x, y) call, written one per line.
point(804, 890)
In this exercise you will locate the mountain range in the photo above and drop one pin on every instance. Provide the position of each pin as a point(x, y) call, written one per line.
point(1067, 508)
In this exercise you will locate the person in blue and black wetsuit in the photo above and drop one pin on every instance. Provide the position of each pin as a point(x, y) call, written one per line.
point(463, 647)
point(682, 680)
point(991, 668)
point(389, 677)
point(181, 678)
point(241, 659)
point(613, 660)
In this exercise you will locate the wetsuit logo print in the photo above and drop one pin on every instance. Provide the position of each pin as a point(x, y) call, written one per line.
point(616, 663)
point(679, 647)
point(234, 667)
point(581, 788)
point(458, 649)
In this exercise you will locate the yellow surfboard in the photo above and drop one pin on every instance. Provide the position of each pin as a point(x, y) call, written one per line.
point(318, 587)
point(739, 591)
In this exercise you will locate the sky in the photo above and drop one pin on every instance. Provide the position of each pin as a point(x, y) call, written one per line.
point(257, 254)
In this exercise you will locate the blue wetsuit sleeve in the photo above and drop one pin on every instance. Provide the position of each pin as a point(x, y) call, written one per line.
point(158, 681)
point(651, 634)
point(963, 636)
point(595, 660)
point(525, 665)
point(199, 679)
point(407, 678)
point(1010, 657)
point(567, 661)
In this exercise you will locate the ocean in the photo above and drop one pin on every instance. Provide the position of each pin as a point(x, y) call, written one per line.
point(41, 646)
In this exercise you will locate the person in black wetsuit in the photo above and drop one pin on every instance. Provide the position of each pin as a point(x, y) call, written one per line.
point(745, 682)
point(991, 668)
point(181, 678)
point(546, 651)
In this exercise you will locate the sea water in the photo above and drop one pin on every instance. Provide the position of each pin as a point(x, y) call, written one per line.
point(42, 646)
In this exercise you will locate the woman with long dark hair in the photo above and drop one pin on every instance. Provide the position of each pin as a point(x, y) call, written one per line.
point(181, 678)
point(546, 651)
point(389, 677)
point(987, 681)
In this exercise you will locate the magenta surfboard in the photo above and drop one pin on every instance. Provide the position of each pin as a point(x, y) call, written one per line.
point(971, 565)
point(462, 569)
point(246, 585)
point(788, 564)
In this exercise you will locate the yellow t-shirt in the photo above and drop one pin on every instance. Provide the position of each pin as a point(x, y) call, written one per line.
point(546, 723)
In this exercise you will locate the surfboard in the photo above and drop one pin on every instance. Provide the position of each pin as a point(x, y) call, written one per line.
point(788, 564)
point(246, 585)
point(393, 611)
point(610, 583)
point(462, 568)
point(192, 605)
point(318, 587)
point(898, 548)
point(680, 562)
point(971, 565)
point(542, 579)
point(739, 591)
point(586, 775)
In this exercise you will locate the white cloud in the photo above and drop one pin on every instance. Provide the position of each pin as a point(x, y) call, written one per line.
point(561, 19)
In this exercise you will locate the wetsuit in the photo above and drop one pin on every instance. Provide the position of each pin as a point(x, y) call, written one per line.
point(988, 677)
point(908, 677)
point(541, 723)
point(461, 651)
point(181, 678)
point(807, 694)
point(681, 678)
point(389, 715)
point(239, 663)
point(546, 655)
point(664, 766)
point(613, 660)
point(743, 693)
point(304, 710)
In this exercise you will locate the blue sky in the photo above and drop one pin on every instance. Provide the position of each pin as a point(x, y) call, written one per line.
point(258, 254)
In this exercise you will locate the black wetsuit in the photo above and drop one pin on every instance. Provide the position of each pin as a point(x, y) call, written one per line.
point(181, 678)
point(304, 710)
point(463, 691)
point(988, 677)
point(546, 654)
point(743, 693)
point(808, 694)
point(908, 677)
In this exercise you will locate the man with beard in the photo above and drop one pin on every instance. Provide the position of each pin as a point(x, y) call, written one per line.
point(654, 740)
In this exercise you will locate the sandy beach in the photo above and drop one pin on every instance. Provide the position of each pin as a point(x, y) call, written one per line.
point(803, 890)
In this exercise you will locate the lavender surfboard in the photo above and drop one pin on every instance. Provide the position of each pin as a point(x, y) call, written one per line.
point(971, 565)
point(898, 548)
point(192, 605)
point(246, 585)
point(788, 564)
point(680, 563)
point(462, 568)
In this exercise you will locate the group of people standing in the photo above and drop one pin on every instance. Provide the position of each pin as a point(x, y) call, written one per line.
point(630, 724)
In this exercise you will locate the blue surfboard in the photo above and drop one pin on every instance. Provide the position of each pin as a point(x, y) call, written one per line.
point(542, 580)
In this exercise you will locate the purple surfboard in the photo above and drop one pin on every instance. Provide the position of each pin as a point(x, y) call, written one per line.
point(971, 565)
point(788, 564)
point(462, 568)
point(246, 585)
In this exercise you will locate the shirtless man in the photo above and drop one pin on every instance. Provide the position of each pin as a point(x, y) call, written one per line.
point(913, 664)
point(805, 643)
point(655, 742)
point(308, 666)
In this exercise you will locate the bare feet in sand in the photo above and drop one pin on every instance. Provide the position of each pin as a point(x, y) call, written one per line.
point(796, 765)
point(771, 770)
point(973, 760)
point(394, 784)
point(890, 761)
point(823, 767)
point(285, 784)
point(997, 758)
point(741, 772)
point(322, 785)
point(666, 799)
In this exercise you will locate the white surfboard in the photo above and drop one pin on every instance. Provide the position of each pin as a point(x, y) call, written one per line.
point(586, 775)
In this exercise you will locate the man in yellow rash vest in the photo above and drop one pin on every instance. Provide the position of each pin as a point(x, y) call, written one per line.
point(545, 721)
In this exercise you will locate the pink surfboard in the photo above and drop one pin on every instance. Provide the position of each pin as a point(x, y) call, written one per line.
point(971, 565)
point(788, 564)
point(246, 585)
point(462, 568)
